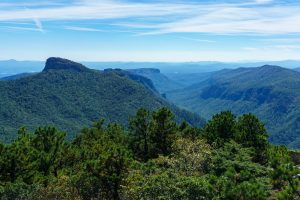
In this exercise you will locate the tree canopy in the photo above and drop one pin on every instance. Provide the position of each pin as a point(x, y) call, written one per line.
point(154, 158)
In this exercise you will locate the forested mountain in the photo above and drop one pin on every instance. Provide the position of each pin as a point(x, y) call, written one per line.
point(70, 96)
point(171, 81)
point(161, 82)
point(188, 79)
point(270, 92)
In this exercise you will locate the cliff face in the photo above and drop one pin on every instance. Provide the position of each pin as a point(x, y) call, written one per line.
point(63, 64)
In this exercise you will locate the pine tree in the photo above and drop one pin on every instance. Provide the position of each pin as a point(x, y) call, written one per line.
point(163, 132)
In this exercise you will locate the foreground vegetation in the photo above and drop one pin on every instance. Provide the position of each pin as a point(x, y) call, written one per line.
point(155, 158)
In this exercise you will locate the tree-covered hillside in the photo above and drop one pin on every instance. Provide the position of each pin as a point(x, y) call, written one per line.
point(270, 92)
point(161, 82)
point(70, 96)
point(155, 158)
point(17, 76)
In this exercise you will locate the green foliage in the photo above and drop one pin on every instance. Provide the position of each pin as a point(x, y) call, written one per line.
point(139, 133)
point(285, 173)
point(19, 190)
point(33, 158)
point(270, 92)
point(69, 97)
point(170, 186)
point(230, 159)
point(178, 176)
point(102, 162)
point(247, 130)
point(188, 131)
point(152, 134)
point(220, 128)
point(160, 81)
point(163, 132)
point(238, 177)
point(252, 133)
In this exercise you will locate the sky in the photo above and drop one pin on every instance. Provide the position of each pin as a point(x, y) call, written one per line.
point(156, 30)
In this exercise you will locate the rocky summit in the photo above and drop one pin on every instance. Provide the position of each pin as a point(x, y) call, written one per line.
point(63, 64)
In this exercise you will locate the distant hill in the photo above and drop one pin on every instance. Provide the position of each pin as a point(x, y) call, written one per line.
point(70, 96)
point(270, 92)
point(170, 81)
point(17, 76)
point(297, 69)
point(160, 81)
point(13, 67)
point(187, 79)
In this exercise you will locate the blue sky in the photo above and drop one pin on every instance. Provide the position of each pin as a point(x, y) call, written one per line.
point(130, 30)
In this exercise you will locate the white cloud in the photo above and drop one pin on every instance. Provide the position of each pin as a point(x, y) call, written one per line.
point(263, 1)
point(196, 40)
point(286, 47)
point(280, 40)
point(95, 10)
point(11, 28)
point(250, 17)
point(77, 28)
point(29, 4)
point(38, 24)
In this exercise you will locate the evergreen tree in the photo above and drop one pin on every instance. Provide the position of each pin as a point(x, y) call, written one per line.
point(188, 131)
point(102, 161)
point(220, 128)
point(163, 132)
point(230, 159)
point(252, 133)
point(139, 134)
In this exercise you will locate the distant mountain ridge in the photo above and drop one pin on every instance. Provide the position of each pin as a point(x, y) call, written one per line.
point(17, 76)
point(12, 67)
point(70, 96)
point(270, 92)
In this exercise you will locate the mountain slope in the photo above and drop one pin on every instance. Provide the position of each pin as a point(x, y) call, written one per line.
point(270, 92)
point(188, 79)
point(17, 76)
point(160, 81)
point(70, 96)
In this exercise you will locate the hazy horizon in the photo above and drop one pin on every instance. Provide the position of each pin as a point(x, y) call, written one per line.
point(154, 61)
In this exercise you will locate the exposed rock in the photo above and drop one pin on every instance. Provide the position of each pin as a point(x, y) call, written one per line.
point(63, 64)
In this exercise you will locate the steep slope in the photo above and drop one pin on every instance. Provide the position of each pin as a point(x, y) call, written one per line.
point(160, 81)
point(270, 92)
point(70, 96)
point(140, 79)
point(188, 79)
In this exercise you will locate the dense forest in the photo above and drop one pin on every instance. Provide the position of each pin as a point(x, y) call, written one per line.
point(69, 95)
point(152, 158)
point(270, 92)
